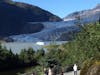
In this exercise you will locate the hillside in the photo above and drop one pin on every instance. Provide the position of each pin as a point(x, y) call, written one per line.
point(15, 15)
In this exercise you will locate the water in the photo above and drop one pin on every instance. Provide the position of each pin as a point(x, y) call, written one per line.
point(16, 47)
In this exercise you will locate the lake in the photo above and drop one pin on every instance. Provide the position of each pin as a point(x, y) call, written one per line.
point(16, 47)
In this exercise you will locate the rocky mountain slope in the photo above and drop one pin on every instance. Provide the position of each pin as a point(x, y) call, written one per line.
point(15, 15)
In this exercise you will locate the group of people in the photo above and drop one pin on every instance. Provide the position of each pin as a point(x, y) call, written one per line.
point(50, 72)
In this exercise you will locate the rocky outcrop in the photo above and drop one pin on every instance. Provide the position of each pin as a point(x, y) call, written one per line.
point(94, 70)
point(91, 66)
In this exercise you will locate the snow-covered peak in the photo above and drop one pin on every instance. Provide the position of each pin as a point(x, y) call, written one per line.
point(98, 6)
point(91, 13)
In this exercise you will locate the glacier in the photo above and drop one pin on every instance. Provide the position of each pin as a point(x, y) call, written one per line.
point(54, 30)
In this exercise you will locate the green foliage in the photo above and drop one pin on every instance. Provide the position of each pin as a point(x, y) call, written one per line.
point(39, 54)
point(89, 37)
point(27, 57)
point(86, 44)
point(38, 70)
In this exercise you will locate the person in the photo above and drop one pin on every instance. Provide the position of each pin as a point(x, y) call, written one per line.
point(33, 73)
point(50, 72)
point(75, 69)
point(45, 71)
point(62, 73)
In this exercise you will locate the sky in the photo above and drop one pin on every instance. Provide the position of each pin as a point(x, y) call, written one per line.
point(62, 8)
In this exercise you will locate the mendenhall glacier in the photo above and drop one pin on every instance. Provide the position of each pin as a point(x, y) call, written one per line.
point(54, 30)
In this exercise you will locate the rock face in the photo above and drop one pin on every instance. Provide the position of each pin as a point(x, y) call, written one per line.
point(91, 66)
point(14, 17)
point(94, 70)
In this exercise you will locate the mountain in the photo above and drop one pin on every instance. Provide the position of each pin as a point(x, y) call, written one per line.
point(14, 18)
point(60, 31)
point(85, 15)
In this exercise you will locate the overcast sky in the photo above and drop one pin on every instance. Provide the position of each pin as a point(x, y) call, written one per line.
point(62, 7)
